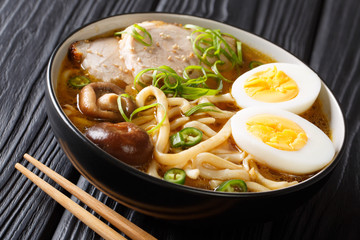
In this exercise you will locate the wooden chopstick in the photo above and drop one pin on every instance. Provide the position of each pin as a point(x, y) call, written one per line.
point(98, 226)
point(127, 227)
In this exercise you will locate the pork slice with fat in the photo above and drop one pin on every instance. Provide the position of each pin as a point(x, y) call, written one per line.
point(171, 46)
point(101, 58)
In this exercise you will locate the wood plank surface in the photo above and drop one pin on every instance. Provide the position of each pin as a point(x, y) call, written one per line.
point(323, 33)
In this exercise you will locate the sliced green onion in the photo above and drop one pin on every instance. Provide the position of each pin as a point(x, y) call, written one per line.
point(139, 109)
point(166, 79)
point(239, 52)
point(195, 27)
point(200, 108)
point(235, 185)
point(176, 140)
point(196, 68)
point(138, 37)
point(187, 137)
point(192, 136)
point(209, 45)
point(175, 175)
point(217, 72)
point(78, 81)
point(254, 64)
point(220, 40)
point(120, 107)
point(146, 108)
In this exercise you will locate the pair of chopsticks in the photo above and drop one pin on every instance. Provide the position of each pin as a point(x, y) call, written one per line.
point(105, 231)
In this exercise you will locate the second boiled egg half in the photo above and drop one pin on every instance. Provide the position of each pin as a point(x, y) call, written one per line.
point(282, 140)
point(291, 87)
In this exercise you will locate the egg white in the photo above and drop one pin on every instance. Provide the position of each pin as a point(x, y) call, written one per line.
point(308, 82)
point(316, 154)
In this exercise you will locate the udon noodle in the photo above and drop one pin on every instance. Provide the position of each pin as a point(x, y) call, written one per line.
point(216, 157)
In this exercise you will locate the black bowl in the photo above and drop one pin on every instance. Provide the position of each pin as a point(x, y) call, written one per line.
point(158, 198)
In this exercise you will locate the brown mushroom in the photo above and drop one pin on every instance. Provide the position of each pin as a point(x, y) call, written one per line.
point(99, 100)
point(125, 141)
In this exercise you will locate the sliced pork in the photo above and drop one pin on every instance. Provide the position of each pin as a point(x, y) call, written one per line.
point(101, 58)
point(119, 60)
point(171, 46)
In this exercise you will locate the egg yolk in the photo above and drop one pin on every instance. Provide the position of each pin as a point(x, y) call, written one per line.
point(271, 86)
point(277, 132)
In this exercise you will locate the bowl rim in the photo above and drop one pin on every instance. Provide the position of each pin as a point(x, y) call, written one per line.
point(50, 88)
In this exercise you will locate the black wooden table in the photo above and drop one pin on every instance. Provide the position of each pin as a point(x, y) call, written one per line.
point(323, 33)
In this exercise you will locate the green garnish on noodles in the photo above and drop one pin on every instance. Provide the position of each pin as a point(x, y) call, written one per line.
point(201, 108)
point(139, 109)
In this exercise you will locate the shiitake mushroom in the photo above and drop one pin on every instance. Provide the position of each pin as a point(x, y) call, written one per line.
point(99, 100)
point(125, 141)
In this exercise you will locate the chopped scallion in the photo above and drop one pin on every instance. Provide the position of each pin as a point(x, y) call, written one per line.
point(187, 137)
point(139, 109)
point(200, 108)
point(209, 45)
point(254, 64)
point(234, 185)
point(138, 36)
point(121, 110)
point(166, 79)
point(78, 81)
point(175, 175)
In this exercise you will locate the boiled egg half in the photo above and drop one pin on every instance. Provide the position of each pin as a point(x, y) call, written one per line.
point(282, 140)
point(291, 87)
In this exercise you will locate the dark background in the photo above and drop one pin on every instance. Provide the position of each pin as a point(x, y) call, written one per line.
point(325, 34)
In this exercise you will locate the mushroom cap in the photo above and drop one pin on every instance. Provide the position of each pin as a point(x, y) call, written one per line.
point(125, 141)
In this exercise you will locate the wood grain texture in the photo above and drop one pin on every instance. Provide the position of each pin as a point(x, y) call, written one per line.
point(323, 33)
point(336, 58)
